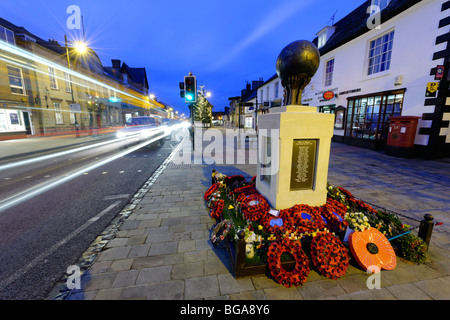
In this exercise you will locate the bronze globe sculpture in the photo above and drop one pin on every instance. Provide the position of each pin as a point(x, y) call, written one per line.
point(296, 65)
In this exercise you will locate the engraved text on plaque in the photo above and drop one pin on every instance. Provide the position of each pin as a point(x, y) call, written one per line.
point(303, 164)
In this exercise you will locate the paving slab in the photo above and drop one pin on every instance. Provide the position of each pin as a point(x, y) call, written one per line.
point(163, 251)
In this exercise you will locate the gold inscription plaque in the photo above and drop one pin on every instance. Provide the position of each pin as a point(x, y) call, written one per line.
point(303, 164)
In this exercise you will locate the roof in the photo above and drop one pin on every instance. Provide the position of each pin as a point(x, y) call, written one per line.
point(354, 24)
point(17, 29)
point(52, 45)
point(136, 75)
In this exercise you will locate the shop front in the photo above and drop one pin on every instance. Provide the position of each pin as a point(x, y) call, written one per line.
point(12, 124)
point(367, 118)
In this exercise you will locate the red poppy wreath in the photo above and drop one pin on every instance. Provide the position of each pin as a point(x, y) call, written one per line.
point(296, 276)
point(217, 209)
point(215, 187)
point(254, 206)
point(329, 255)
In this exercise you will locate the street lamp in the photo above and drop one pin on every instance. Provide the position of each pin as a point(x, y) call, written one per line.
point(81, 48)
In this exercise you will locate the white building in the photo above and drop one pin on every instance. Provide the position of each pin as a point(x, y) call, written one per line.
point(378, 63)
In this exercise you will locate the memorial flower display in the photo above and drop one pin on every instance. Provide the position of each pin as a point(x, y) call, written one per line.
point(357, 221)
point(298, 275)
point(302, 236)
point(329, 255)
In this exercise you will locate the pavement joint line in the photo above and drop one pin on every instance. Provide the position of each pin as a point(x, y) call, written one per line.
point(91, 254)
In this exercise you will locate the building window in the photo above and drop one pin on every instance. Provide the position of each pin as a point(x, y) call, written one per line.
point(329, 69)
point(267, 94)
point(16, 80)
point(58, 113)
point(380, 52)
point(7, 35)
point(53, 81)
point(368, 116)
point(68, 82)
point(327, 109)
point(277, 89)
point(322, 39)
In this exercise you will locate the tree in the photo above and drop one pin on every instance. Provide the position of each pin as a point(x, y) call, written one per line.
point(203, 110)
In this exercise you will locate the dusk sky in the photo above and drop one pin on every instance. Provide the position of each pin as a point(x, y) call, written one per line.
point(224, 43)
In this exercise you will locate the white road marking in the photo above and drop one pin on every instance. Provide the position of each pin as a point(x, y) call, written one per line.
point(55, 155)
point(117, 197)
point(41, 258)
point(45, 186)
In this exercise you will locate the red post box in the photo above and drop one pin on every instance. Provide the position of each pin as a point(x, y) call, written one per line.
point(402, 133)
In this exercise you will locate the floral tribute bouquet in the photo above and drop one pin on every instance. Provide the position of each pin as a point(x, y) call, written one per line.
point(357, 221)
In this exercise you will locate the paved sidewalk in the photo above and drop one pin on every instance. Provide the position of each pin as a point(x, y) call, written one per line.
point(162, 250)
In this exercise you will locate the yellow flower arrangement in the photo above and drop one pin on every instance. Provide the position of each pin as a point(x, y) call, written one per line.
point(357, 221)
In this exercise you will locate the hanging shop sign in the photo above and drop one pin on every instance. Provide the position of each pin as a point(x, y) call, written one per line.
point(432, 88)
point(439, 73)
point(328, 95)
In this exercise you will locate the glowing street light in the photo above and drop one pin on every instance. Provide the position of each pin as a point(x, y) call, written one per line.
point(80, 47)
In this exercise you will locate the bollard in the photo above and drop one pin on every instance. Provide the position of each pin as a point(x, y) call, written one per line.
point(426, 228)
point(240, 255)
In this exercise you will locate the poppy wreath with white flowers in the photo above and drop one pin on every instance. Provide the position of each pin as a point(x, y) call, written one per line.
point(298, 275)
point(214, 188)
point(253, 207)
point(225, 227)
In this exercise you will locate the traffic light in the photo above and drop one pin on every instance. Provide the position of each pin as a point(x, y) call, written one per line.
point(190, 87)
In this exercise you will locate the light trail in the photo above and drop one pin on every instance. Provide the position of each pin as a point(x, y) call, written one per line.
point(56, 155)
point(37, 59)
point(45, 186)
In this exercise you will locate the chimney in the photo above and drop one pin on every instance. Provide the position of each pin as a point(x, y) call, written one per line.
point(115, 64)
point(257, 83)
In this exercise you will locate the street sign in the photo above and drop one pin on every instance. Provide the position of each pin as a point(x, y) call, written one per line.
point(439, 73)
point(75, 108)
point(432, 88)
